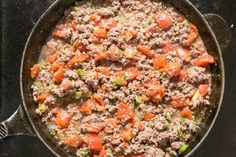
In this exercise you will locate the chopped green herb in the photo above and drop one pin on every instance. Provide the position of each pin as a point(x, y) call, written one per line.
point(78, 95)
point(179, 132)
point(168, 117)
point(43, 64)
point(84, 152)
point(183, 148)
point(52, 132)
point(138, 100)
point(119, 81)
point(186, 23)
point(80, 72)
point(183, 119)
point(42, 107)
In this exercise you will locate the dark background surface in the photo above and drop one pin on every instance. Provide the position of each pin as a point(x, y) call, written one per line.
point(19, 17)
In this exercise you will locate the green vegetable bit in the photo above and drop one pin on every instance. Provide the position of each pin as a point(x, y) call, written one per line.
point(138, 100)
point(38, 84)
point(168, 117)
point(42, 107)
point(119, 81)
point(149, 20)
point(183, 148)
point(52, 132)
point(89, 94)
point(78, 95)
point(179, 132)
point(109, 150)
point(80, 72)
point(84, 152)
point(119, 53)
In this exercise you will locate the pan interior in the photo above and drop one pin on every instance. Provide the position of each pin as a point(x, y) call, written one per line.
point(49, 20)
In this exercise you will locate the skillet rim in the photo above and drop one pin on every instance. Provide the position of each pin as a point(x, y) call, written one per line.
point(209, 29)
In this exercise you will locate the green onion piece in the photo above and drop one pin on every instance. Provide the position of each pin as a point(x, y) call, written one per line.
point(168, 117)
point(149, 20)
point(144, 25)
point(42, 107)
point(84, 152)
point(179, 132)
point(52, 132)
point(166, 127)
point(119, 52)
point(78, 95)
point(80, 72)
point(140, 115)
point(183, 148)
point(119, 81)
point(138, 100)
point(38, 84)
point(109, 150)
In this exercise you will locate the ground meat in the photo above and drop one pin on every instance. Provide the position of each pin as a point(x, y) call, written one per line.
point(123, 78)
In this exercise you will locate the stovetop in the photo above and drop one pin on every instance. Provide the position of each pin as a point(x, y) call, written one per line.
point(19, 17)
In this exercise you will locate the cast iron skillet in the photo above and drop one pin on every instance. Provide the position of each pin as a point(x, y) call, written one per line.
point(25, 121)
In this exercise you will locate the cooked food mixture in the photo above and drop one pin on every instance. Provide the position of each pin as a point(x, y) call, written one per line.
point(123, 78)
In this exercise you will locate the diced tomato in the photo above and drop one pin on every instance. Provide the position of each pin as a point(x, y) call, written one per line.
point(145, 98)
point(59, 75)
point(128, 35)
point(100, 32)
point(159, 61)
point(193, 35)
point(204, 60)
point(145, 50)
point(180, 19)
point(52, 58)
point(114, 53)
point(99, 99)
point(94, 128)
point(148, 116)
point(156, 93)
point(126, 134)
point(101, 56)
point(42, 97)
point(104, 70)
point(66, 84)
point(74, 141)
point(133, 73)
point(86, 107)
point(110, 125)
point(60, 32)
point(103, 152)
point(172, 69)
point(74, 25)
point(167, 47)
point(203, 89)
point(57, 66)
point(63, 119)
point(124, 112)
point(34, 71)
point(187, 113)
point(183, 74)
point(95, 17)
point(131, 54)
point(80, 46)
point(77, 59)
point(108, 23)
point(162, 20)
point(94, 142)
point(178, 102)
point(184, 54)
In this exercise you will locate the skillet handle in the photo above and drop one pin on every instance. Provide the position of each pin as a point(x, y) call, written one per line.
point(220, 29)
point(17, 124)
